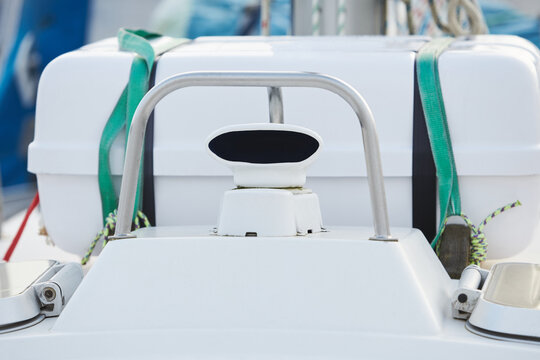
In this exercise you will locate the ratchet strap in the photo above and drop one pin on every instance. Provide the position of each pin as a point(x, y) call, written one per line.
point(437, 128)
point(147, 47)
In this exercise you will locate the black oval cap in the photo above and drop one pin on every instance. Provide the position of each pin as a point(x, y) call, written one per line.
point(264, 146)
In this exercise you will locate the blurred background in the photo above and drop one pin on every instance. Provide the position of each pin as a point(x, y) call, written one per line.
point(33, 32)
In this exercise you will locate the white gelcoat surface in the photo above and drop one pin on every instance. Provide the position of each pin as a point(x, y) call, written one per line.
point(177, 292)
point(321, 282)
point(490, 86)
point(269, 212)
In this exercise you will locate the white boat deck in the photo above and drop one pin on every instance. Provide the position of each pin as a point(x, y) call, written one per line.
point(171, 293)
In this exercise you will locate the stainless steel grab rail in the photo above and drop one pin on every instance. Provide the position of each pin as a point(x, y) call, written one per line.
point(268, 79)
point(275, 104)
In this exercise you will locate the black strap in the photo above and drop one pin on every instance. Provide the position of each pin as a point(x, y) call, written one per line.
point(148, 195)
point(424, 178)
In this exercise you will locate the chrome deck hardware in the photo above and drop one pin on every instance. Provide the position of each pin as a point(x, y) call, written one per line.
point(274, 81)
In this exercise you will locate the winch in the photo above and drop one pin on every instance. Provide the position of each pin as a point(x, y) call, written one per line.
point(503, 303)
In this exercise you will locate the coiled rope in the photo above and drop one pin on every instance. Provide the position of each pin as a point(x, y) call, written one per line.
point(341, 17)
point(108, 230)
point(454, 25)
point(478, 238)
point(316, 17)
point(265, 17)
point(410, 20)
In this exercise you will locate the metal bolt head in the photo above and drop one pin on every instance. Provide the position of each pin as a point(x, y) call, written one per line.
point(462, 298)
point(49, 294)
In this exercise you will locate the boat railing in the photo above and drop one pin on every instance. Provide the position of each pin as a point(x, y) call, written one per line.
point(273, 81)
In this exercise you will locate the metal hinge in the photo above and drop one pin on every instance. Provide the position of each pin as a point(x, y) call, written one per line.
point(466, 297)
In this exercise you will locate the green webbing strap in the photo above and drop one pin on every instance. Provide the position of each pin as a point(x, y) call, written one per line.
point(147, 47)
point(437, 126)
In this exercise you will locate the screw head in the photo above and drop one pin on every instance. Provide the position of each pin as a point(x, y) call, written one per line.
point(49, 294)
point(462, 298)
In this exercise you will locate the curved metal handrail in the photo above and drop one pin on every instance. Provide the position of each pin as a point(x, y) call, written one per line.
point(268, 79)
